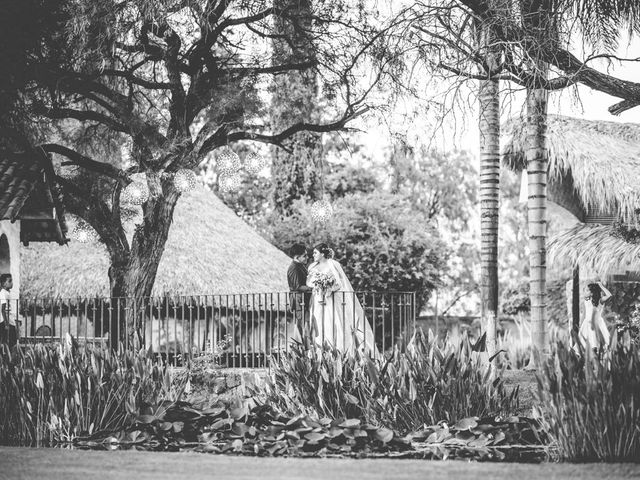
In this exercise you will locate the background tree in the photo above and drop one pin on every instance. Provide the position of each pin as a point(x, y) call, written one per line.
point(294, 97)
point(382, 244)
point(177, 80)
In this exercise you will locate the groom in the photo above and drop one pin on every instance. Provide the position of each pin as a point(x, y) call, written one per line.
point(299, 292)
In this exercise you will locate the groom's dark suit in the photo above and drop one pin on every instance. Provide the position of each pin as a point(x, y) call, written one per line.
point(299, 296)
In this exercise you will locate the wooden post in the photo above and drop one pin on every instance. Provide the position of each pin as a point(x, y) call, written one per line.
point(575, 301)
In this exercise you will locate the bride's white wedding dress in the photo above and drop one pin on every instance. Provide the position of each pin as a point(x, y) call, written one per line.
point(339, 315)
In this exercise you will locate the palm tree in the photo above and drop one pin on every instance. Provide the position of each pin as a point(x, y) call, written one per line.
point(600, 21)
point(489, 129)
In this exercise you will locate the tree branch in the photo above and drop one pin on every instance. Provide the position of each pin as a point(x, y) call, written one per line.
point(82, 115)
point(221, 137)
point(86, 162)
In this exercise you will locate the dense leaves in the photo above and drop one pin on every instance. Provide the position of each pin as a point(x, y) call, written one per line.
point(381, 242)
point(54, 393)
point(419, 385)
point(590, 402)
point(262, 431)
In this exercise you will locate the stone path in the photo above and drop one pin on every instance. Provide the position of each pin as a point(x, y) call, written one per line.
point(31, 463)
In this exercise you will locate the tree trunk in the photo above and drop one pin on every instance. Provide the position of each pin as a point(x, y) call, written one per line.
point(489, 126)
point(296, 174)
point(537, 167)
point(132, 278)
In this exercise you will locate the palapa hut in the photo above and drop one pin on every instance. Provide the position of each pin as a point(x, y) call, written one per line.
point(210, 253)
point(594, 168)
point(210, 250)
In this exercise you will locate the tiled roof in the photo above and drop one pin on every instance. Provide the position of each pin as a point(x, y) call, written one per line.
point(18, 176)
point(26, 194)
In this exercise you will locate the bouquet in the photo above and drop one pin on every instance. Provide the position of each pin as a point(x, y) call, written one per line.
point(323, 283)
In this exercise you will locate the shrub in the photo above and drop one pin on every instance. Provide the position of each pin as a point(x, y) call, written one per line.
point(52, 393)
point(382, 243)
point(592, 402)
point(422, 385)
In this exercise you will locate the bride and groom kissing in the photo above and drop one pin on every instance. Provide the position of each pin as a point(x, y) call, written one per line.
point(324, 305)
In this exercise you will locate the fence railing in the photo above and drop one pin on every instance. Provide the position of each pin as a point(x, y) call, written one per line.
point(236, 330)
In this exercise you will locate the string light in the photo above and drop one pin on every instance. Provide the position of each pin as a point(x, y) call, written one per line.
point(185, 180)
point(321, 211)
point(228, 183)
point(84, 233)
point(136, 193)
point(228, 162)
point(254, 163)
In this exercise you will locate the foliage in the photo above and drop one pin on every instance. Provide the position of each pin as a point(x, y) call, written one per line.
point(514, 345)
point(382, 244)
point(173, 83)
point(516, 299)
point(263, 431)
point(421, 385)
point(630, 326)
point(345, 179)
point(55, 393)
point(625, 232)
point(591, 402)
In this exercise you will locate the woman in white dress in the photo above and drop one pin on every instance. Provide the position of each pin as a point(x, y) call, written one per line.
point(336, 310)
point(593, 331)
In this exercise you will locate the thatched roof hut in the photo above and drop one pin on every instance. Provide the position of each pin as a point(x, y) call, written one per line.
point(593, 172)
point(599, 161)
point(210, 250)
point(595, 249)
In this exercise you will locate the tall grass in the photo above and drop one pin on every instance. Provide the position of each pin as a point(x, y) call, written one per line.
point(422, 385)
point(50, 393)
point(591, 402)
point(515, 346)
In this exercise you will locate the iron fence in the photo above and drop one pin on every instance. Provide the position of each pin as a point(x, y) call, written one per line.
point(235, 330)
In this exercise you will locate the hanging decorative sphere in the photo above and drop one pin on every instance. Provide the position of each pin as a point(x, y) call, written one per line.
point(228, 162)
point(229, 183)
point(321, 211)
point(84, 233)
point(254, 163)
point(185, 180)
point(136, 193)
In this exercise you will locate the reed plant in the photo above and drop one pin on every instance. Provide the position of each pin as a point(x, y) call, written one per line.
point(514, 345)
point(591, 401)
point(53, 393)
point(421, 383)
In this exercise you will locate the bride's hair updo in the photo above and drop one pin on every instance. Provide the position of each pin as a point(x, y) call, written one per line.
point(324, 249)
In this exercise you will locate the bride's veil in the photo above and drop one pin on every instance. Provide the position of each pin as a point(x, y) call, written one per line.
point(356, 312)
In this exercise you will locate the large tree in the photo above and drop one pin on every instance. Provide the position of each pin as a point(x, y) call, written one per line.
point(295, 173)
point(176, 80)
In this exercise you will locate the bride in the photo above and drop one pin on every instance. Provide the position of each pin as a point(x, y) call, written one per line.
point(337, 312)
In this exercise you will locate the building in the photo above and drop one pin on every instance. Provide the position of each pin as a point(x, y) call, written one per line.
point(30, 210)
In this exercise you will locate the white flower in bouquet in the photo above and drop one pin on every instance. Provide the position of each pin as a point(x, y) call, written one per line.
point(324, 283)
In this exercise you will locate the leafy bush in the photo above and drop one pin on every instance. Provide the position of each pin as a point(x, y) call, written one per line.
point(422, 385)
point(382, 243)
point(54, 393)
point(592, 402)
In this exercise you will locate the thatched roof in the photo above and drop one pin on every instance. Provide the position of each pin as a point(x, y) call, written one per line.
point(603, 159)
point(210, 250)
point(593, 247)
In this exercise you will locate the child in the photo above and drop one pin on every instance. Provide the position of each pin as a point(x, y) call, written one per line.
point(8, 332)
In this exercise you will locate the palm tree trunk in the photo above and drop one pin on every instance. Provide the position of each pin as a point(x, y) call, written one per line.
point(489, 127)
point(537, 167)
